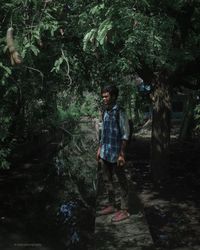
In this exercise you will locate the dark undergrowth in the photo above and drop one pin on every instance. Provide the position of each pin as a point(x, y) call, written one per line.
point(172, 209)
point(46, 197)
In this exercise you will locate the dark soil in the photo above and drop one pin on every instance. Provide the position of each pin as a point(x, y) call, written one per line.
point(172, 209)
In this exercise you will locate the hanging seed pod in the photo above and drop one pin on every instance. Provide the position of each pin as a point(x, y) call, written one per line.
point(14, 55)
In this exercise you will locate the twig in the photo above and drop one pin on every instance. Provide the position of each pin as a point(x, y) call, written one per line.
point(37, 70)
point(68, 69)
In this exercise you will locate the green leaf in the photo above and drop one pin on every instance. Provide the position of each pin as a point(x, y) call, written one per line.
point(96, 9)
point(104, 27)
point(34, 49)
point(89, 38)
point(8, 70)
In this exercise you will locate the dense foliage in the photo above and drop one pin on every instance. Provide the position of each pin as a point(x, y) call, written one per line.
point(36, 93)
point(71, 47)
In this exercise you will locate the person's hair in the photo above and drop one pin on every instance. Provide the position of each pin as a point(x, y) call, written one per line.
point(111, 89)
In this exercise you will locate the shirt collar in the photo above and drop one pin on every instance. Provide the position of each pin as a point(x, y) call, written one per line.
point(113, 108)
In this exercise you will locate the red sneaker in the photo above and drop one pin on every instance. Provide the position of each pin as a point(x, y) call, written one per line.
point(120, 216)
point(107, 210)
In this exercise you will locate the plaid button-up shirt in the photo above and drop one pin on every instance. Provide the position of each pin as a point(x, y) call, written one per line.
point(112, 133)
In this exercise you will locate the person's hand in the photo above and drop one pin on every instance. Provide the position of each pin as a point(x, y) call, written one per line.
point(98, 154)
point(121, 161)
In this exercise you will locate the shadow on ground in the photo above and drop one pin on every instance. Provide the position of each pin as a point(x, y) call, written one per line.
point(172, 210)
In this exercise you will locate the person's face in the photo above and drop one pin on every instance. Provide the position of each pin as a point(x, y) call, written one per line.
point(106, 98)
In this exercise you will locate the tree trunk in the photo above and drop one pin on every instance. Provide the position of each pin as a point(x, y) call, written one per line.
point(160, 138)
point(188, 119)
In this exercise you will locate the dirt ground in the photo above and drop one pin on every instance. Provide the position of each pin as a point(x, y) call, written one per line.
point(172, 209)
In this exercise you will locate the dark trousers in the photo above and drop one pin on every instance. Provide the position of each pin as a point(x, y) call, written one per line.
point(108, 170)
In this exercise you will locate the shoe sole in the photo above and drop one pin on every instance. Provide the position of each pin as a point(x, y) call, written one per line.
point(117, 221)
point(111, 212)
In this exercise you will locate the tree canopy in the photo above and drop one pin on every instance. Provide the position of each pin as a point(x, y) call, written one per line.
point(69, 48)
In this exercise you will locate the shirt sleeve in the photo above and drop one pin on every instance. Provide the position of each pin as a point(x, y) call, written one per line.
point(100, 132)
point(124, 125)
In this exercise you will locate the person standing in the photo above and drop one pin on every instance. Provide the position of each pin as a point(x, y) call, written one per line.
point(111, 152)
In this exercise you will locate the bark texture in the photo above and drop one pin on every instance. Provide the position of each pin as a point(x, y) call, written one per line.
point(160, 139)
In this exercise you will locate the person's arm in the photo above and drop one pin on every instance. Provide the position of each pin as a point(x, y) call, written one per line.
point(98, 153)
point(123, 147)
point(124, 125)
point(121, 158)
point(124, 129)
point(100, 142)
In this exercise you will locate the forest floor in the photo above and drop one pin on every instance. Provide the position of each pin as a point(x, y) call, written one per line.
point(172, 209)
